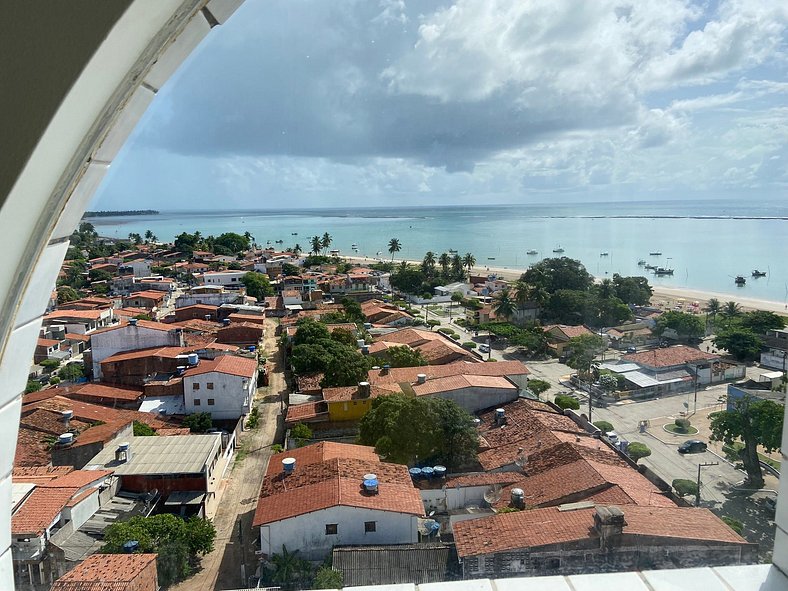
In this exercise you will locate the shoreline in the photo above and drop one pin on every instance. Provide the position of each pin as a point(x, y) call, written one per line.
point(661, 297)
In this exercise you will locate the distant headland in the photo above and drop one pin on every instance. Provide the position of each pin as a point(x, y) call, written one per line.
point(111, 213)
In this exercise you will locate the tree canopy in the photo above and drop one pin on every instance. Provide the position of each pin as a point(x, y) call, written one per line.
point(685, 325)
point(632, 290)
point(404, 356)
point(637, 450)
point(177, 543)
point(198, 422)
point(558, 273)
point(581, 351)
point(756, 423)
point(409, 429)
point(740, 342)
point(257, 285)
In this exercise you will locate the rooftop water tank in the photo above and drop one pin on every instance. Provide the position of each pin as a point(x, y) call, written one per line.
point(421, 378)
point(194, 359)
point(415, 473)
point(132, 322)
point(66, 439)
point(252, 348)
point(371, 486)
point(360, 343)
point(288, 465)
point(439, 471)
point(427, 472)
point(370, 477)
point(67, 415)
point(131, 546)
point(124, 446)
point(518, 498)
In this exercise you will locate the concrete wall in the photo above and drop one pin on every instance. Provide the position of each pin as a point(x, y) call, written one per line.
point(475, 399)
point(308, 532)
point(231, 399)
point(129, 338)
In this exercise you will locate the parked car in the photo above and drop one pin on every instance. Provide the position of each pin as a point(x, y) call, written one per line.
point(632, 349)
point(771, 504)
point(692, 446)
point(484, 348)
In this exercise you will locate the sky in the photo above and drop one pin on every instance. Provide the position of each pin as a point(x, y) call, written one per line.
point(307, 103)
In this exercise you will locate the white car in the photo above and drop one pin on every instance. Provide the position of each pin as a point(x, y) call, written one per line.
point(484, 348)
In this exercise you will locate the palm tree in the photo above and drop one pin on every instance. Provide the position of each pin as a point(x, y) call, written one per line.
point(606, 289)
point(297, 249)
point(503, 305)
point(731, 309)
point(456, 267)
point(148, 236)
point(428, 264)
point(394, 246)
point(288, 569)
point(712, 308)
point(249, 237)
point(325, 241)
point(316, 243)
point(444, 261)
point(468, 262)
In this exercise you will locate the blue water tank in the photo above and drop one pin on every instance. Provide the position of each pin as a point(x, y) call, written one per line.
point(371, 485)
point(439, 471)
point(415, 473)
point(252, 348)
point(427, 472)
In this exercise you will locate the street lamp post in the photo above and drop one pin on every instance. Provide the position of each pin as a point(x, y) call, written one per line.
point(697, 492)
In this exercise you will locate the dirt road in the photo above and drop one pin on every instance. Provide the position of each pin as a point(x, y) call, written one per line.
point(234, 545)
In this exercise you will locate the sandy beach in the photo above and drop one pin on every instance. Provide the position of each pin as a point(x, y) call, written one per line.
point(664, 297)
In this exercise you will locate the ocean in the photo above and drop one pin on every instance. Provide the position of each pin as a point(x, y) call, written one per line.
point(707, 243)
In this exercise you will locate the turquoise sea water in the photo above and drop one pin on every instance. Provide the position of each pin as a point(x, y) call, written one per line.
point(707, 243)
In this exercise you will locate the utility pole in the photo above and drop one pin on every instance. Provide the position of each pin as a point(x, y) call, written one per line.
point(702, 465)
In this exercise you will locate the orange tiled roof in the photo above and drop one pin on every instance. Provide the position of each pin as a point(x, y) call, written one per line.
point(39, 474)
point(167, 352)
point(543, 527)
point(85, 314)
point(40, 509)
point(336, 482)
point(483, 479)
point(226, 364)
point(74, 479)
point(308, 411)
point(105, 572)
point(568, 330)
point(98, 390)
point(408, 374)
point(458, 382)
point(678, 355)
point(319, 452)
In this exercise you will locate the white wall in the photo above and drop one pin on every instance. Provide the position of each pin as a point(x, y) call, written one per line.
point(209, 299)
point(82, 511)
point(231, 397)
point(227, 278)
point(475, 399)
point(129, 338)
point(307, 532)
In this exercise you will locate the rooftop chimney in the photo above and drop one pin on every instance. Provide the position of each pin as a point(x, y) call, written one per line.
point(609, 523)
point(421, 378)
point(364, 389)
point(123, 453)
point(386, 369)
point(518, 498)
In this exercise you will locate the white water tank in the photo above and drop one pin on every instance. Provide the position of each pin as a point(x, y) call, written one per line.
point(421, 378)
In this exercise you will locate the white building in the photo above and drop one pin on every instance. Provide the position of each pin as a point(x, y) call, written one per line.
point(224, 386)
point(137, 334)
point(223, 278)
point(139, 267)
point(336, 494)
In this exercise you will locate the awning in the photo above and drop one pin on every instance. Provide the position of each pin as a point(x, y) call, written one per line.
point(187, 497)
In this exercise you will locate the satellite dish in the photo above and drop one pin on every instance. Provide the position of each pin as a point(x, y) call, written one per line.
point(493, 494)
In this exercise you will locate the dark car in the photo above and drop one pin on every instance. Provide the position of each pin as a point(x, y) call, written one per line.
point(693, 446)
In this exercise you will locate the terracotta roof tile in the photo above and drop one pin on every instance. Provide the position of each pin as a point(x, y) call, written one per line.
point(106, 572)
point(458, 382)
point(319, 452)
point(483, 479)
point(408, 374)
point(98, 390)
point(227, 364)
point(39, 474)
point(74, 479)
point(308, 411)
point(669, 356)
point(40, 509)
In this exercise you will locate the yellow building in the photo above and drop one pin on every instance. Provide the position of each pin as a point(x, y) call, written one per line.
point(352, 402)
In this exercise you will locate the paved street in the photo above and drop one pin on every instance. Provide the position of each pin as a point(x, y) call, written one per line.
point(221, 569)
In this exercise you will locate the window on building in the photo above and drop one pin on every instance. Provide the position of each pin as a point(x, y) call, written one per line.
point(210, 385)
point(210, 402)
point(331, 529)
point(196, 402)
point(370, 527)
point(195, 386)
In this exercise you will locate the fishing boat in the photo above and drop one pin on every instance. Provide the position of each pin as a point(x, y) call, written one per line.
point(641, 262)
point(279, 241)
point(294, 233)
point(740, 280)
point(757, 273)
point(663, 271)
point(558, 250)
point(532, 252)
point(490, 258)
point(354, 245)
point(651, 267)
point(604, 254)
point(452, 251)
point(656, 253)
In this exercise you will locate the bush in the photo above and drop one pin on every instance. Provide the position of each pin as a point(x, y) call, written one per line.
point(198, 422)
point(682, 425)
point(32, 386)
point(734, 524)
point(684, 487)
point(49, 364)
point(469, 345)
point(301, 433)
point(54, 380)
point(432, 323)
point(143, 430)
point(637, 450)
point(253, 419)
point(277, 448)
point(604, 426)
point(538, 386)
point(565, 402)
point(446, 330)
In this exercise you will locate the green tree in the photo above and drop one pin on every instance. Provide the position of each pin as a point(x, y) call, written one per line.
point(143, 430)
point(394, 246)
point(444, 261)
point(66, 294)
point(49, 364)
point(685, 325)
point(761, 321)
point(32, 386)
point(632, 290)
point(756, 423)
point(712, 309)
point(310, 358)
point(468, 262)
point(257, 285)
point(406, 428)
point(347, 368)
point(287, 570)
point(538, 387)
point(742, 343)
point(353, 310)
point(581, 351)
point(289, 270)
point(568, 306)
point(558, 273)
point(404, 356)
point(428, 264)
point(685, 487)
point(344, 337)
point(734, 524)
point(316, 243)
point(198, 422)
point(178, 543)
point(326, 241)
point(731, 310)
point(503, 303)
point(230, 243)
point(637, 450)
point(608, 382)
point(301, 433)
point(563, 401)
point(309, 330)
point(604, 426)
point(327, 578)
point(71, 372)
